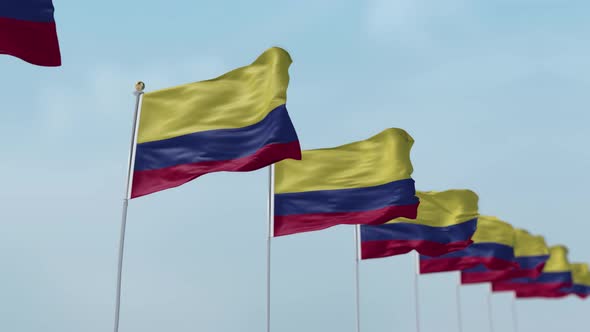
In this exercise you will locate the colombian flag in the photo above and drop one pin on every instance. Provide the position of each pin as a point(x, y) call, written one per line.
point(237, 122)
point(445, 223)
point(366, 182)
point(581, 281)
point(27, 31)
point(530, 253)
point(492, 246)
point(555, 276)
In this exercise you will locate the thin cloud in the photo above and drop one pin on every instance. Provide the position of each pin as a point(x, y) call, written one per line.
point(411, 22)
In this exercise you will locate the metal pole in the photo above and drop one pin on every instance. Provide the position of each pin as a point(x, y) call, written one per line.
point(357, 282)
point(491, 319)
point(139, 86)
point(458, 298)
point(271, 200)
point(416, 293)
point(514, 314)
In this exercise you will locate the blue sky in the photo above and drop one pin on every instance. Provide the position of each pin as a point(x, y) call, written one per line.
point(494, 94)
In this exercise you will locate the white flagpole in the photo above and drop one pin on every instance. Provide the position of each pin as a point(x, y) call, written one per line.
point(458, 298)
point(139, 86)
point(271, 209)
point(491, 319)
point(416, 293)
point(514, 314)
point(357, 255)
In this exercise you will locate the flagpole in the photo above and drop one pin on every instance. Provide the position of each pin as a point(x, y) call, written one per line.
point(416, 294)
point(491, 319)
point(514, 314)
point(271, 207)
point(139, 86)
point(458, 298)
point(357, 255)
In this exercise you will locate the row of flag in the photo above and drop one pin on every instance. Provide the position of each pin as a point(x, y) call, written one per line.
point(239, 122)
point(483, 249)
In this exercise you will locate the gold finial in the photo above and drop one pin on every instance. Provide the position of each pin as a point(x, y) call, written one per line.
point(139, 86)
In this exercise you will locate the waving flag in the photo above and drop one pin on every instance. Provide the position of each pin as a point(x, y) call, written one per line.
point(555, 276)
point(237, 122)
point(366, 182)
point(581, 281)
point(445, 223)
point(530, 253)
point(493, 246)
point(27, 31)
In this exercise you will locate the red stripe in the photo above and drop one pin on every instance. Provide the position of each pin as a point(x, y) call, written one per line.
point(503, 286)
point(546, 290)
point(33, 42)
point(380, 249)
point(285, 225)
point(488, 276)
point(462, 263)
point(150, 181)
point(528, 273)
point(529, 287)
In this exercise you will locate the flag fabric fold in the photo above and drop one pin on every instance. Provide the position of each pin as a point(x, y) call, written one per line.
point(445, 223)
point(237, 122)
point(366, 182)
point(28, 31)
point(492, 246)
point(555, 276)
point(581, 281)
point(530, 253)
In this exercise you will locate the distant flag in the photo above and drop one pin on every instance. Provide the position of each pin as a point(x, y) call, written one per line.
point(530, 252)
point(237, 122)
point(445, 223)
point(555, 276)
point(366, 182)
point(28, 32)
point(492, 246)
point(581, 281)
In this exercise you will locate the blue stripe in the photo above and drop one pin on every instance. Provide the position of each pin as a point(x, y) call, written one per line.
point(216, 145)
point(546, 277)
point(525, 263)
point(481, 249)
point(409, 232)
point(27, 10)
point(531, 262)
point(479, 268)
point(578, 289)
point(397, 193)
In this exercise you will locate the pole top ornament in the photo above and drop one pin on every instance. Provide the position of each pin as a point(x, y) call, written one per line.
point(139, 86)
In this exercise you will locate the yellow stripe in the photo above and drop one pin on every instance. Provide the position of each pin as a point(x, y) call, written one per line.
point(236, 99)
point(493, 230)
point(580, 274)
point(444, 208)
point(378, 160)
point(557, 261)
point(529, 245)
